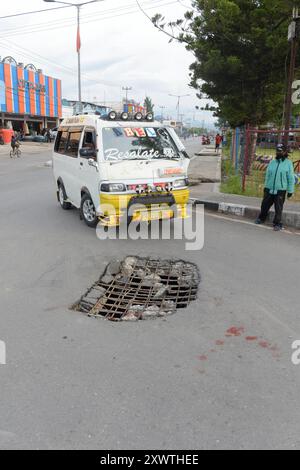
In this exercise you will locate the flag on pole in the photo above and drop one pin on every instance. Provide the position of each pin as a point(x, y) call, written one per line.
point(78, 40)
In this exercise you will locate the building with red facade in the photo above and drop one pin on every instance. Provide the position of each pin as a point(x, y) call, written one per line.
point(29, 100)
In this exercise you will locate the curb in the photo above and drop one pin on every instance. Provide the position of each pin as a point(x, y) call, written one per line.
point(289, 218)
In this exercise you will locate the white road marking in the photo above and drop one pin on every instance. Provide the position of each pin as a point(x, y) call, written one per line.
point(291, 331)
point(246, 222)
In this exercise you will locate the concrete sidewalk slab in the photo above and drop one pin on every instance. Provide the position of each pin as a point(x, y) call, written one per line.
point(208, 151)
point(205, 169)
point(243, 206)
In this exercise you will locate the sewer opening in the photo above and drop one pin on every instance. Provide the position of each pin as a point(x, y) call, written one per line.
point(141, 288)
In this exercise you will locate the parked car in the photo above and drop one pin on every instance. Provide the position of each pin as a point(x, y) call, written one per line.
point(39, 138)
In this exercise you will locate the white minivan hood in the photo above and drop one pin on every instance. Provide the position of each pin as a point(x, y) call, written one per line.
point(144, 170)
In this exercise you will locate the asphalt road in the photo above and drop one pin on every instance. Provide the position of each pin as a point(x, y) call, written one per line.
point(73, 382)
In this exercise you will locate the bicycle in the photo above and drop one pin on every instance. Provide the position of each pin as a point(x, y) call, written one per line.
point(15, 152)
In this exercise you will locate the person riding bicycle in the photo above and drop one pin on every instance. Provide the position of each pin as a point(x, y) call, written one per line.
point(14, 143)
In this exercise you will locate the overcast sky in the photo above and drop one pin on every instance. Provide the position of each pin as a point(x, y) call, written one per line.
point(120, 47)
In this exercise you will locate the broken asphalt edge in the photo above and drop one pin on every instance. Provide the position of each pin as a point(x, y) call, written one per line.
point(289, 218)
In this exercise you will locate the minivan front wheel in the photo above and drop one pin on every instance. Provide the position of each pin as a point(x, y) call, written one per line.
point(62, 198)
point(88, 211)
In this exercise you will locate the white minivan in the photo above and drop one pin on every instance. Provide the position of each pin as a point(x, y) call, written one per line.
point(105, 166)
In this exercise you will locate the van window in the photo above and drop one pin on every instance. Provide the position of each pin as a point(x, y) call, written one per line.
point(89, 140)
point(61, 141)
point(73, 144)
point(139, 143)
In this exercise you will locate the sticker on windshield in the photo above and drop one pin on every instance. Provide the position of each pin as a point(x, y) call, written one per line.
point(135, 132)
point(114, 154)
point(169, 152)
point(129, 132)
point(150, 132)
point(140, 132)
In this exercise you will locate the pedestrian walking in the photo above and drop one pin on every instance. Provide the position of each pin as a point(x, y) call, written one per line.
point(218, 142)
point(48, 136)
point(279, 183)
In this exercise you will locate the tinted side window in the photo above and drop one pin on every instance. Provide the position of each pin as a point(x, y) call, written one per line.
point(57, 141)
point(89, 140)
point(61, 141)
point(73, 144)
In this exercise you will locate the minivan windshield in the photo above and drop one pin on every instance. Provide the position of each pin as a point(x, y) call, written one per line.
point(138, 143)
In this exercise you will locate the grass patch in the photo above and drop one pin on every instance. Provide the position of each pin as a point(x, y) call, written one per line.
point(232, 182)
point(271, 151)
point(232, 185)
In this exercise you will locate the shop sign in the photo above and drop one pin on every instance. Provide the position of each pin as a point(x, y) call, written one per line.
point(31, 86)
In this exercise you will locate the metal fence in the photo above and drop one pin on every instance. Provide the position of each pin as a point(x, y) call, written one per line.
point(252, 150)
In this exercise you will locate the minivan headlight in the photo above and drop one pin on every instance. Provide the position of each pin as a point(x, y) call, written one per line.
point(113, 187)
point(180, 183)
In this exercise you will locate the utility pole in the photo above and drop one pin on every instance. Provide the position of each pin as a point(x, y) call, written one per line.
point(181, 116)
point(162, 113)
point(78, 41)
point(78, 45)
point(126, 89)
point(293, 37)
point(178, 104)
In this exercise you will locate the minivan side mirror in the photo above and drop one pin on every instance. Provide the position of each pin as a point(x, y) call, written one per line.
point(87, 153)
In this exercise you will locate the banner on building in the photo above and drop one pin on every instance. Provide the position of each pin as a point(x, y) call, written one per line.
point(24, 91)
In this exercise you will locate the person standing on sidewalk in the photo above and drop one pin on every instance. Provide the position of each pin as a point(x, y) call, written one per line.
point(280, 181)
point(218, 142)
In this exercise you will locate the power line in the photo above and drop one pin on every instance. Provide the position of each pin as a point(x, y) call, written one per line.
point(66, 69)
point(36, 56)
point(33, 12)
point(66, 20)
point(44, 60)
point(69, 22)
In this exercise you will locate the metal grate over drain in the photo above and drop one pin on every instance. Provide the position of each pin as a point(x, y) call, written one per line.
point(141, 288)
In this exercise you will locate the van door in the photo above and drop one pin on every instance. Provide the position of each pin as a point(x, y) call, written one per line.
point(89, 175)
point(71, 175)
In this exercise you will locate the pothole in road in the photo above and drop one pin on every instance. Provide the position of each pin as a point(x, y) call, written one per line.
point(141, 288)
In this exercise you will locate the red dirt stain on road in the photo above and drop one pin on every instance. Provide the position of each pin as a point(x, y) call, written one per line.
point(251, 338)
point(235, 331)
point(220, 342)
point(202, 358)
point(264, 344)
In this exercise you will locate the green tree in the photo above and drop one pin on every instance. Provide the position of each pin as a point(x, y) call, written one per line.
point(148, 105)
point(241, 52)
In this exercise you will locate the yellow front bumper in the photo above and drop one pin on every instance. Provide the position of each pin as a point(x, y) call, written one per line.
point(114, 206)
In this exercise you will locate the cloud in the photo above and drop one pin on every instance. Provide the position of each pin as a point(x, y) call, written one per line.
point(119, 48)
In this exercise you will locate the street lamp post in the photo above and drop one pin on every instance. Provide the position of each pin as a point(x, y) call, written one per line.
point(78, 43)
point(178, 103)
point(162, 113)
point(126, 89)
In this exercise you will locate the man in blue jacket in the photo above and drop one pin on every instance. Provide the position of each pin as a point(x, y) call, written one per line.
point(280, 181)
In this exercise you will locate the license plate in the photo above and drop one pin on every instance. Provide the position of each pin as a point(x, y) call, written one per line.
point(147, 216)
